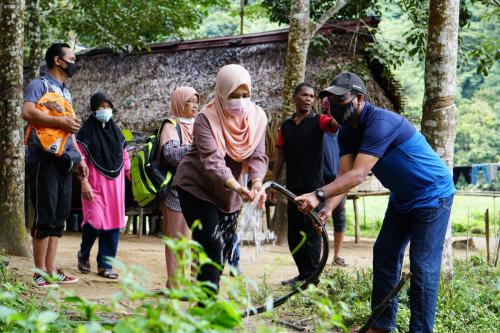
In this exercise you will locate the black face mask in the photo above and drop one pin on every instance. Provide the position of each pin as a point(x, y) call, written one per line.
point(71, 69)
point(342, 113)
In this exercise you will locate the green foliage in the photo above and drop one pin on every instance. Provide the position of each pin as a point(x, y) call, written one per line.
point(22, 311)
point(477, 115)
point(482, 55)
point(225, 21)
point(122, 25)
point(279, 10)
point(468, 303)
point(478, 121)
point(147, 310)
point(220, 23)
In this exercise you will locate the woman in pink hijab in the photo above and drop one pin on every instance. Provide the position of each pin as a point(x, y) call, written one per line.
point(175, 141)
point(229, 140)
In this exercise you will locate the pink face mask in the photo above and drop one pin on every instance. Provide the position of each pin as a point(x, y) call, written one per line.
point(237, 107)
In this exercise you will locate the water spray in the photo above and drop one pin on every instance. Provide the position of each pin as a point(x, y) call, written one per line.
point(322, 262)
point(376, 312)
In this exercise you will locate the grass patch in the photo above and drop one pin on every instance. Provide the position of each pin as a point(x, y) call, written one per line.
point(135, 308)
point(467, 212)
point(470, 302)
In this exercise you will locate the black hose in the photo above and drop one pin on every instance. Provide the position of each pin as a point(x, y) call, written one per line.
point(377, 311)
point(322, 262)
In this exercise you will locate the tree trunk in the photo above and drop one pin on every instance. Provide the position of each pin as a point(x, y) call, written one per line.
point(300, 32)
point(299, 38)
point(34, 38)
point(13, 238)
point(279, 220)
point(438, 114)
point(242, 15)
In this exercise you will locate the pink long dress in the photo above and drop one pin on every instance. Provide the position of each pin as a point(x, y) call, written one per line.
point(107, 210)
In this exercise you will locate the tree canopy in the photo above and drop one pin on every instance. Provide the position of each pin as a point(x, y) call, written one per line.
point(121, 25)
point(400, 41)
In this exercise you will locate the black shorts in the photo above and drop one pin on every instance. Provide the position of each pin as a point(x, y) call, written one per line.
point(50, 192)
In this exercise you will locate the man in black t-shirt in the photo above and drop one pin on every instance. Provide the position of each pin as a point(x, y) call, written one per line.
point(300, 146)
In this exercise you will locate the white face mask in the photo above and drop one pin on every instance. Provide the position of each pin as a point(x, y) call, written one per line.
point(237, 107)
point(188, 121)
point(104, 115)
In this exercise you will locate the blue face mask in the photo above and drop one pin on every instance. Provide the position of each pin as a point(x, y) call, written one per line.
point(104, 115)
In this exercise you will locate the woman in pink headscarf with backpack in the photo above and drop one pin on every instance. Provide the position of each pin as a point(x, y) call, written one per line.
point(229, 140)
point(175, 141)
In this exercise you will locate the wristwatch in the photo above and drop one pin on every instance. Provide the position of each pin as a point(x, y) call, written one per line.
point(320, 194)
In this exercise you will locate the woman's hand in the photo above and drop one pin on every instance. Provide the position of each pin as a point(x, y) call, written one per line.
point(245, 194)
point(258, 193)
point(83, 169)
point(87, 192)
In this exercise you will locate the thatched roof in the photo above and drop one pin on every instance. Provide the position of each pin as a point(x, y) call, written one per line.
point(140, 83)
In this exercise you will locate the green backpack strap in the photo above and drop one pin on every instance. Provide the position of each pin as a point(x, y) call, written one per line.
point(175, 124)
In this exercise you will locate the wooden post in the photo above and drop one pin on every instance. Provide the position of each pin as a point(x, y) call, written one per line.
point(129, 223)
point(487, 233)
point(498, 248)
point(268, 215)
point(356, 220)
point(134, 225)
point(364, 213)
point(141, 222)
point(468, 229)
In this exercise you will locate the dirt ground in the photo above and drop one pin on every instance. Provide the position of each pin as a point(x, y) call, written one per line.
point(274, 261)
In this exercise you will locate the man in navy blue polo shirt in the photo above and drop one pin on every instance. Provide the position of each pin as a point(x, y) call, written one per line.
point(421, 186)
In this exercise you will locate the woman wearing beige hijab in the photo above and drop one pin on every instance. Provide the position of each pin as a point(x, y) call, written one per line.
point(229, 140)
point(183, 107)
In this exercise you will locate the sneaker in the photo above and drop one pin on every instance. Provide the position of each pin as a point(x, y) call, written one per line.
point(338, 261)
point(62, 278)
point(40, 281)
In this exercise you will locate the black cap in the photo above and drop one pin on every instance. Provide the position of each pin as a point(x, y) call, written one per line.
point(97, 99)
point(344, 83)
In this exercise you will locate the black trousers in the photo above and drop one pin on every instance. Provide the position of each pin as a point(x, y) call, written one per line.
point(466, 171)
point(216, 233)
point(50, 192)
point(307, 256)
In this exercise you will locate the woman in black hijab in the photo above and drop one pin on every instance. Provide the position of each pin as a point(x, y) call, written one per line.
point(103, 192)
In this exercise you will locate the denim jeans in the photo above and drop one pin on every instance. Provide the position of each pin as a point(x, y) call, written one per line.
point(425, 229)
point(234, 258)
point(108, 244)
point(477, 169)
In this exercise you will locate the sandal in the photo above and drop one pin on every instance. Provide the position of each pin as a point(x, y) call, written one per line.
point(107, 273)
point(338, 261)
point(83, 265)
